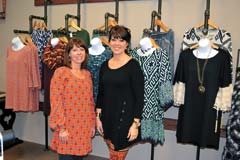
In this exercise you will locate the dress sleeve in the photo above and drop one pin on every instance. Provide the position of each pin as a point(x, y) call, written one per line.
point(165, 85)
point(92, 107)
point(99, 103)
point(57, 114)
point(179, 82)
point(224, 95)
point(137, 82)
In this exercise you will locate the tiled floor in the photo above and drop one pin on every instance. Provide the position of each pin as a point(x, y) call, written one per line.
point(33, 151)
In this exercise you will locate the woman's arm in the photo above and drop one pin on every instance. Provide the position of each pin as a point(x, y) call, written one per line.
point(56, 117)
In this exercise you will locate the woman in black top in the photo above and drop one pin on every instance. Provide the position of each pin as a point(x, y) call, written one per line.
point(121, 96)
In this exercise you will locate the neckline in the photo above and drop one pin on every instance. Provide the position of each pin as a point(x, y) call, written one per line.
point(76, 76)
point(120, 66)
point(209, 56)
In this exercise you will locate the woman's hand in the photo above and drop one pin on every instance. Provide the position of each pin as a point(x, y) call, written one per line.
point(63, 136)
point(99, 126)
point(93, 132)
point(133, 132)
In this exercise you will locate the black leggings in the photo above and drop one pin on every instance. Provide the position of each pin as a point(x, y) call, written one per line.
point(70, 157)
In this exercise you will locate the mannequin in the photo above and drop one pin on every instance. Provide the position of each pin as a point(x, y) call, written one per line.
point(146, 47)
point(17, 44)
point(96, 47)
point(204, 50)
point(54, 42)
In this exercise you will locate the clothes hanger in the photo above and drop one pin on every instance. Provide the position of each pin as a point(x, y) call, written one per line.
point(72, 24)
point(35, 25)
point(210, 23)
point(111, 23)
point(155, 45)
point(214, 46)
point(160, 24)
point(23, 39)
point(28, 40)
point(44, 26)
point(63, 39)
point(104, 40)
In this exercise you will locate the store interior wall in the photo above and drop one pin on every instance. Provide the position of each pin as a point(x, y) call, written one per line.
point(178, 15)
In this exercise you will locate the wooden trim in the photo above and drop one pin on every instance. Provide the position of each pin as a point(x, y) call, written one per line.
point(56, 2)
point(171, 124)
point(2, 15)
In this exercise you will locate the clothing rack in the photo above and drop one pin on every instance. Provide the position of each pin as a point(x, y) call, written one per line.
point(153, 17)
point(156, 14)
point(69, 16)
point(205, 32)
point(44, 18)
point(31, 17)
point(107, 16)
point(206, 18)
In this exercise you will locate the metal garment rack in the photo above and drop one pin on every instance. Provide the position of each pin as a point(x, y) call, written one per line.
point(107, 16)
point(206, 18)
point(205, 32)
point(153, 17)
point(44, 18)
point(77, 17)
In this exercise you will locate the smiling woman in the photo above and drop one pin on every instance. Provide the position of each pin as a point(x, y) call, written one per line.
point(53, 2)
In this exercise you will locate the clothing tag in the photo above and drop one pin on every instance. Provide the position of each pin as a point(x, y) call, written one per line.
point(70, 34)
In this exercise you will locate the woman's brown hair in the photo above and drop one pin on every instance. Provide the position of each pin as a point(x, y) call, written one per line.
point(78, 43)
point(122, 32)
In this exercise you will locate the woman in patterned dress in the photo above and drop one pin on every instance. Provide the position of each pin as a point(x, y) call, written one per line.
point(72, 116)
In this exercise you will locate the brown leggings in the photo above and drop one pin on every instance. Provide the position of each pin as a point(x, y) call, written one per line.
point(116, 155)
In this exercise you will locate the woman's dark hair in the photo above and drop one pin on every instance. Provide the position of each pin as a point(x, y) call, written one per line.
point(78, 43)
point(121, 32)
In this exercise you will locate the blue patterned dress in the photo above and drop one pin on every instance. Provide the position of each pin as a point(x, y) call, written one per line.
point(158, 93)
point(94, 64)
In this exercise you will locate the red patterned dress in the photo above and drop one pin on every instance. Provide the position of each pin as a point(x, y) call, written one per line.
point(72, 108)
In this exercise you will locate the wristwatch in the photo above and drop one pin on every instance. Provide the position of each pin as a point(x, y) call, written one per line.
point(137, 123)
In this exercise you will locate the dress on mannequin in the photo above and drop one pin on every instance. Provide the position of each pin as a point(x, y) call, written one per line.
point(146, 47)
point(204, 50)
point(96, 47)
point(17, 44)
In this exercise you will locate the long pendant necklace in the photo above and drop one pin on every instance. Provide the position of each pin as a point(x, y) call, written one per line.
point(201, 87)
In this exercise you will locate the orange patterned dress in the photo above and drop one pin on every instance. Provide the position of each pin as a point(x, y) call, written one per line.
point(72, 108)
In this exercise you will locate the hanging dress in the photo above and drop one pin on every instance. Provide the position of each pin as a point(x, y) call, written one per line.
point(231, 150)
point(22, 79)
point(198, 118)
point(93, 65)
point(158, 93)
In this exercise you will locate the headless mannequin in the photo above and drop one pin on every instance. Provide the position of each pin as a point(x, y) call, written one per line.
point(96, 47)
point(204, 50)
point(146, 47)
point(54, 42)
point(17, 44)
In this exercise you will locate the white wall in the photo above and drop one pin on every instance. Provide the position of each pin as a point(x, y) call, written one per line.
point(178, 15)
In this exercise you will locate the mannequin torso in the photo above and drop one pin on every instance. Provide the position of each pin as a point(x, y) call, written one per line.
point(17, 44)
point(204, 50)
point(54, 42)
point(96, 47)
point(146, 47)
